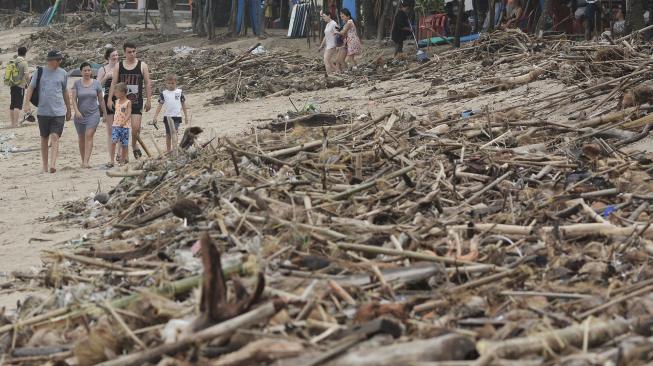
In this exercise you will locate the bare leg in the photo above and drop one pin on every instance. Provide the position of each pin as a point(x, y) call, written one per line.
point(328, 60)
point(112, 152)
point(168, 143)
point(136, 129)
point(54, 153)
point(13, 117)
point(81, 141)
point(44, 153)
point(108, 120)
point(90, 133)
point(125, 150)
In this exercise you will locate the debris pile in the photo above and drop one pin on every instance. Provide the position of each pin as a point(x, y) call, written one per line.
point(483, 236)
point(252, 75)
point(84, 38)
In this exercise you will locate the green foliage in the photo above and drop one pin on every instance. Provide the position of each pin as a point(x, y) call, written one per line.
point(428, 6)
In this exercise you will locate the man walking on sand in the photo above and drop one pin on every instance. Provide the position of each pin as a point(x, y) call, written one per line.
point(53, 106)
point(135, 74)
point(16, 77)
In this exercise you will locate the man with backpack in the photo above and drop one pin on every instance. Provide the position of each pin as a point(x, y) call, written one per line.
point(16, 77)
point(48, 91)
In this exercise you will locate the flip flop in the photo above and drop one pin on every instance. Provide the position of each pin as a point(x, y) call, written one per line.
point(137, 153)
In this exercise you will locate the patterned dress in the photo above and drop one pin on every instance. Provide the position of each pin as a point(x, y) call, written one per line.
point(353, 43)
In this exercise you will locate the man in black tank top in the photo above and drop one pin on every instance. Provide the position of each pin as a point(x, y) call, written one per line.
point(136, 74)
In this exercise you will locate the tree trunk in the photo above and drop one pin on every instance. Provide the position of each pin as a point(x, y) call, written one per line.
point(459, 22)
point(167, 23)
point(491, 15)
point(387, 9)
point(634, 15)
point(232, 17)
point(199, 18)
point(209, 21)
point(542, 19)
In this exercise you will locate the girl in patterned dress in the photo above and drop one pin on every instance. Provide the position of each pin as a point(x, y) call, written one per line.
point(352, 42)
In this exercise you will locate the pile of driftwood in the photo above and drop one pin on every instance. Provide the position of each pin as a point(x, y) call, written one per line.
point(85, 37)
point(250, 74)
point(492, 236)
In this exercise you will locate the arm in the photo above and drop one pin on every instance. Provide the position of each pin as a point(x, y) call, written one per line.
point(66, 99)
point(28, 96)
point(114, 82)
point(66, 95)
point(148, 87)
point(78, 114)
point(100, 75)
point(158, 110)
point(129, 112)
point(345, 29)
point(100, 101)
point(183, 107)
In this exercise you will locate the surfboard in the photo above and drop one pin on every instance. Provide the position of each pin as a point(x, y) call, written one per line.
point(291, 24)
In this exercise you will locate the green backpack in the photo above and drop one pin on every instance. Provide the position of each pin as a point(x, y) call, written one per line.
point(12, 73)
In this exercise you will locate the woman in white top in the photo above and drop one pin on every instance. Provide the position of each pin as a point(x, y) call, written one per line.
point(329, 43)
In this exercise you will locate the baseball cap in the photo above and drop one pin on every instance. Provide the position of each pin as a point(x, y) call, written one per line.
point(54, 55)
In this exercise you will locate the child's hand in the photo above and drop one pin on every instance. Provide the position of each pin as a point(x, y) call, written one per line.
point(78, 115)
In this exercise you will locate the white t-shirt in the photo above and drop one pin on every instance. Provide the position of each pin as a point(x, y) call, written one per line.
point(171, 100)
point(330, 34)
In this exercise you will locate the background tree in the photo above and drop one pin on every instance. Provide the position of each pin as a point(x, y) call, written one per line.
point(544, 12)
point(167, 25)
point(634, 15)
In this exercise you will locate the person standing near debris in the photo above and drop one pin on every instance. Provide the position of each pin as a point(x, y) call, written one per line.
point(329, 43)
point(16, 77)
point(105, 77)
point(174, 102)
point(122, 120)
point(400, 28)
point(87, 103)
point(51, 84)
point(136, 75)
point(353, 43)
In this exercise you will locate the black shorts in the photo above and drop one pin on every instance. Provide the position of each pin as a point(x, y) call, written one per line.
point(49, 125)
point(175, 120)
point(110, 112)
point(137, 108)
point(17, 96)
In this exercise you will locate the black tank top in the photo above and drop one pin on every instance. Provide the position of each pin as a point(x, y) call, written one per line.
point(134, 80)
point(107, 82)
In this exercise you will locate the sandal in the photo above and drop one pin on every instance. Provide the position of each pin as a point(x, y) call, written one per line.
point(137, 153)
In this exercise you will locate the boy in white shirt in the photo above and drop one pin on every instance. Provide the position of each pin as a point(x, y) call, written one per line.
point(174, 102)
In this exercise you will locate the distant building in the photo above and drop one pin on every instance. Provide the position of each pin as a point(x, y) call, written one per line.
point(152, 4)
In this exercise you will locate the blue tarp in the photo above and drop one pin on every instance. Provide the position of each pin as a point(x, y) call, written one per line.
point(351, 6)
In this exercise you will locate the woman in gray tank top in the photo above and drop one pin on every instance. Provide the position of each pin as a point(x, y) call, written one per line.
point(87, 101)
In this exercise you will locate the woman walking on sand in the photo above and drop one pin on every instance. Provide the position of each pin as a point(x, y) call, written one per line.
point(105, 76)
point(329, 43)
point(353, 46)
point(87, 103)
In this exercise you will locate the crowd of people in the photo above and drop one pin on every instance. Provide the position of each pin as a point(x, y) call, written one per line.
point(119, 95)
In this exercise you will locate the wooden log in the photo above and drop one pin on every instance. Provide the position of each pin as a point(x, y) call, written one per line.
point(444, 348)
point(125, 174)
point(554, 340)
point(311, 120)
